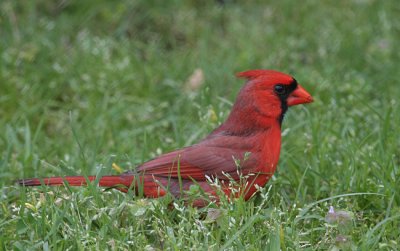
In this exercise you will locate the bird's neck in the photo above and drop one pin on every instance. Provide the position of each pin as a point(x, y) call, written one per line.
point(248, 122)
point(250, 114)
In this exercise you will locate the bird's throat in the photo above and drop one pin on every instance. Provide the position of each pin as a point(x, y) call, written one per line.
point(284, 108)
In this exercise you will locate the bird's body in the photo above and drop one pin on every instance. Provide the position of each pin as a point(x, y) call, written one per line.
point(247, 144)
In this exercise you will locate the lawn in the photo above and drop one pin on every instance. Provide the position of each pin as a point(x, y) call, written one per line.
point(85, 84)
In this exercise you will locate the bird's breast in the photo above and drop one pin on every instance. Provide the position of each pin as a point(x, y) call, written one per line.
point(270, 150)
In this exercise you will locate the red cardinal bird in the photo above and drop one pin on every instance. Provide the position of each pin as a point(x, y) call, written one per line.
point(247, 143)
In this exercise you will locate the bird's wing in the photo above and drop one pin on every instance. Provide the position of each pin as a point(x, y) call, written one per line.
point(215, 158)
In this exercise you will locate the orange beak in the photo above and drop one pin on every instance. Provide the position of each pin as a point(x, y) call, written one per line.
point(299, 96)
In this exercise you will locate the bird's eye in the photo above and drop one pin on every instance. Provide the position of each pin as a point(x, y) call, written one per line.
point(280, 89)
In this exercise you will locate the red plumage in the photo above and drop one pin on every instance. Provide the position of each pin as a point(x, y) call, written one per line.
point(251, 134)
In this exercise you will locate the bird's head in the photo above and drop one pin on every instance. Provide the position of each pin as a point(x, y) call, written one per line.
point(268, 94)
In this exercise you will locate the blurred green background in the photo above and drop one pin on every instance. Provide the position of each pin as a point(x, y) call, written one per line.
point(84, 84)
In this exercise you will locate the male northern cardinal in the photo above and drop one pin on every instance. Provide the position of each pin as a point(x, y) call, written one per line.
point(247, 145)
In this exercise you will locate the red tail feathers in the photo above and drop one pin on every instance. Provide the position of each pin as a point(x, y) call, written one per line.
point(105, 181)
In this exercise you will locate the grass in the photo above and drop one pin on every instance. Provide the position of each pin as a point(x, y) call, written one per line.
point(87, 84)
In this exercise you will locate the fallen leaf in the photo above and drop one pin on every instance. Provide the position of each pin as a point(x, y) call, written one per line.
point(195, 81)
